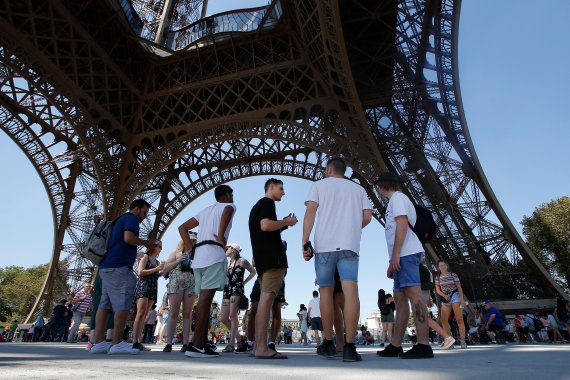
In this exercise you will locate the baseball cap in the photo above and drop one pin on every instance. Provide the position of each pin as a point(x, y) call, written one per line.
point(387, 177)
point(486, 302)
point(235, 246)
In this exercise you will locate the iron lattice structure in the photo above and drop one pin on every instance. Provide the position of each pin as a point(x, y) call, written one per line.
point(105, 115)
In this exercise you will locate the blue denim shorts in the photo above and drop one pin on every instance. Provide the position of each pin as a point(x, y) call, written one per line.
point(409, 274)
point(327, 262)
point(455, 298)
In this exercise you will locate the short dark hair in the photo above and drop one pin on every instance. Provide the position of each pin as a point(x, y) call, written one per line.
point(338, 165)
point(139, 203)
point(388, 181)
point(315, 293)
point(221, 191)
point(272, 181)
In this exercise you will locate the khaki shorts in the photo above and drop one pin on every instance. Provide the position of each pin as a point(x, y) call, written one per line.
point(272, 279)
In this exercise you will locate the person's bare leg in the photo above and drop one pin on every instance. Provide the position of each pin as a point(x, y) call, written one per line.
point(419, 308)
point(225, 313)
point(327, 311)
point(402, 316)
point(351, 309)
point(234, 322)
point(203, 316)
point(275, 320)
point(390, 331)
point(261, 320)
point(444, 318)
point(119, 328)
point(251, 324)
point(437, 328)
point(339, 320)
point(458, 311)
point(174, 301)
point(187, 305)
point(100, 324)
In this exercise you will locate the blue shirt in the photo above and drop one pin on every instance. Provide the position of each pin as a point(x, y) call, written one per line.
point(121, 254)
point(498, 317)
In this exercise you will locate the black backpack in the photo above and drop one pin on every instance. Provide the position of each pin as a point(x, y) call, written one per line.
point(537, 324)
point(425, 226)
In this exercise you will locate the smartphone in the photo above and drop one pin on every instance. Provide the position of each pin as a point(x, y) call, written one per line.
point(309, 247)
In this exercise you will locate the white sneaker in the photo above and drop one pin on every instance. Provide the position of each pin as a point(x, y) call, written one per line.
point(100, 348)
point(448, 343)
point(123, 348)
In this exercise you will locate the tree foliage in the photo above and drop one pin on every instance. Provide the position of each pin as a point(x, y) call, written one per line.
point(19, 288)
point(547, 232)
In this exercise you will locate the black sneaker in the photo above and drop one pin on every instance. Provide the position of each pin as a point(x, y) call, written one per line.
point(200, 352)
point(381, 345)
point(244, 348)
point(418, 351)
point(390, 352)
point(349, 354)
point(327, 349)
point(167, 348)
point(140, 347)
point(271, 346)
point(211, 346)
point(184, 348)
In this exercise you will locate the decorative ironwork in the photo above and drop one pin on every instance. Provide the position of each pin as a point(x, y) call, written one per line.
point(107, 110)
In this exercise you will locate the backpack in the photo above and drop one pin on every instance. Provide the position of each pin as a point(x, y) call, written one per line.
point(96, 245)
point(425, 226)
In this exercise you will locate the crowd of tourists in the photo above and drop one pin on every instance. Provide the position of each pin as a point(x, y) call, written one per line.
point(204, 263)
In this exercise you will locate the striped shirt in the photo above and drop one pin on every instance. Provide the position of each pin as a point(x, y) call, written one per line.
point(447, 282)
point(83, 305)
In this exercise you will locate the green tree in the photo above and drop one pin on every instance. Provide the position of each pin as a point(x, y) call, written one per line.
point(19, 288)
point(547, 232)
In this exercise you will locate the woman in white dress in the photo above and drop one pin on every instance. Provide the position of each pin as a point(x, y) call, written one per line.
point(302, 314)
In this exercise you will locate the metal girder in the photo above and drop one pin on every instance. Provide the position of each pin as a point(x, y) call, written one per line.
point(373, 81)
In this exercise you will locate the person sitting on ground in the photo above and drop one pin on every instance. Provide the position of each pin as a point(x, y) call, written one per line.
point(521, 329)
point(551, 329)
point(493, 322)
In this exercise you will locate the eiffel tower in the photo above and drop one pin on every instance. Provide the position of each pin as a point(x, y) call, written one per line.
point(116, 99)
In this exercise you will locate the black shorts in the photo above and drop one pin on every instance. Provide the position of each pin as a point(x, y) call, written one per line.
point(317, 324)
point(256, 293)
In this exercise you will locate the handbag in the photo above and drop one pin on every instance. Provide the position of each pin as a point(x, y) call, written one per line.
point(243, 302)
point(75, 307)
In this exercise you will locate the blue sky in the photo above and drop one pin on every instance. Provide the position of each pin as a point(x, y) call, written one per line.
point(512, 59)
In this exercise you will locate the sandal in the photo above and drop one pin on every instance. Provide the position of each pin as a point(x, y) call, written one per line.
point(229, 348)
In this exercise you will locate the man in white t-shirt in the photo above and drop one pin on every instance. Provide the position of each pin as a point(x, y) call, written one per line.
point(344, 210)
point(314, 316)
point(209, 263)
point(406, 254)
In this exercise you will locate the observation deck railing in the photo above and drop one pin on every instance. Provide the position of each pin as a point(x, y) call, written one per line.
point(236, 21)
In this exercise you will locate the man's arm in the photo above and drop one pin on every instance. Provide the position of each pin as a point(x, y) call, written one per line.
point(183, 231)
point(309, 220)
point(366, 217)
point(227, 215)
point(401, 231)
point(268, 225)
point(130, 238)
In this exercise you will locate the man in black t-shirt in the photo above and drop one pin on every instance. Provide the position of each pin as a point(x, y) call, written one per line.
point(270, 259)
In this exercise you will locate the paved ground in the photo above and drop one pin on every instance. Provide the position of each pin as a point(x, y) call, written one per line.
point(70, 361)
